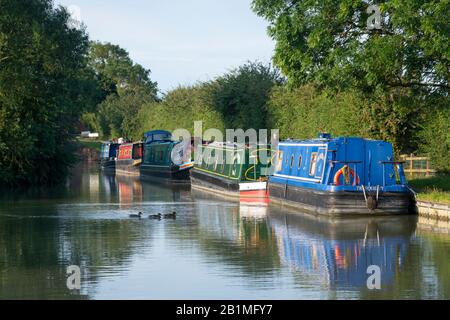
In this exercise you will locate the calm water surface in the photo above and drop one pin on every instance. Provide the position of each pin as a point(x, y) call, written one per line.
point(214, 249)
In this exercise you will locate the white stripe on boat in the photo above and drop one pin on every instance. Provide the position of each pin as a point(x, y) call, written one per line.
point(250, 186)
point(301, 144)
point(296, 178)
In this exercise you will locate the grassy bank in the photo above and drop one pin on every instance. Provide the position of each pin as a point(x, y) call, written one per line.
point(435, 189)
point(90, 144)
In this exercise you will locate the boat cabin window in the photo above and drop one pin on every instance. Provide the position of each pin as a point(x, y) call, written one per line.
point(280, 161)
point(216, 164)
point(292, 161)
point(222, 162)
point(398, 180)
point(206, 162)
point(149, 155)
point(299, 162)
point(235, 167)
point(312, 167)
point(210, 159)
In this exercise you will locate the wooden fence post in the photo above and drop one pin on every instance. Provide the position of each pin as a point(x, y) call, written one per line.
point(411, 165)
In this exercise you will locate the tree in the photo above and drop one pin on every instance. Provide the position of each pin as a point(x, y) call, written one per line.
point(303, 112)
point(329, 42)
point(241, 95)
point(116, 71)
point(118, 114)
point(400, 68)
point(180, 108)
point(435, 139)
point(125, 87)
point(43, 87)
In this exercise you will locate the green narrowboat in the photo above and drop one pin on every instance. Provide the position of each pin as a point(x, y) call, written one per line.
point(166, 160)
point(233, 170)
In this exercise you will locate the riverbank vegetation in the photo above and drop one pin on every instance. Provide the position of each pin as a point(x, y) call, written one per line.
point(90, 144)
point(44, 84)
point(434, 189)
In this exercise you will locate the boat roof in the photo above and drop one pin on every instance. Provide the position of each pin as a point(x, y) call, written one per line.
point(149, 133)
point(130, 143)
point(155, 142)
point(109, 143)
point(322, 139)
point(230, 145)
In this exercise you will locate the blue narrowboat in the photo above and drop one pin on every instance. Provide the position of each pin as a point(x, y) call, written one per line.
point(166, 160)
point(108, 156)
point(340, 176)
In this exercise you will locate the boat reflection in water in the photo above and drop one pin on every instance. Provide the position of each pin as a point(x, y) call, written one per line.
point(238, 233)
point(130, 190)
point(251, 211)
point(334, 252)
point(340, 251)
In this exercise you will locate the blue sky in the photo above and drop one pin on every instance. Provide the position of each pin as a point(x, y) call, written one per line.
point(181, 41)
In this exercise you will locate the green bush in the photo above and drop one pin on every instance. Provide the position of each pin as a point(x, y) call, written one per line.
point(241, 95)
point(180, 109)
point(91, 122)
point(119, 115)
point(435, 137)
point(304, 112)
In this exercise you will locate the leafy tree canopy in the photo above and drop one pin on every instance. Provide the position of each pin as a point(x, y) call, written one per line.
point(117, 73)
point(399, 66)
point(329, 43)
point(43, 88)
point(241, 95)
point(125, 86)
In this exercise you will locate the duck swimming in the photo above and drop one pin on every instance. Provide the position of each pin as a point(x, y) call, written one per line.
point(172, 215)
point(156, 216)
point(138, 216)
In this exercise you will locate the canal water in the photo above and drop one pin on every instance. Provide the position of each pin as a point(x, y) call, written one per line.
point(215, 249)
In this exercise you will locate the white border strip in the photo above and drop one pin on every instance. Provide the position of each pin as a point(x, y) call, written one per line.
point(250, 186)
point(296, 178)
point(286, 144)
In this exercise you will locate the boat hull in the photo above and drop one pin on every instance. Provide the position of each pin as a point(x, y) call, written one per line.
point(128, 167)
point(108, 165)
point(252, 192)
point(167, 174)
point(340, 203)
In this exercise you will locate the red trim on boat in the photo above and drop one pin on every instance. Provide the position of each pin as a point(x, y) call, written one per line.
point(254, 196)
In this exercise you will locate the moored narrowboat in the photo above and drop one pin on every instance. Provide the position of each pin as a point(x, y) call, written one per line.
point(165, 160)
point(129, 159)
point(340, 176)
point(108, 156)
point(239, 178)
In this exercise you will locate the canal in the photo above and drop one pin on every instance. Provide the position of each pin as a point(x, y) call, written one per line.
point(215, 249)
